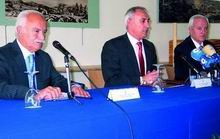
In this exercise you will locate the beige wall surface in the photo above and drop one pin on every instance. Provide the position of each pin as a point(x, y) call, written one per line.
point(86, 44)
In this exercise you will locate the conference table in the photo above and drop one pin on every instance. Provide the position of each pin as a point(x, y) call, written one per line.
point(179, 113)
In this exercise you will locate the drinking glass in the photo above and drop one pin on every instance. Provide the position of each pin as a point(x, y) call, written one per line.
point(30, 97)
point(159, 84)
point(216, 77)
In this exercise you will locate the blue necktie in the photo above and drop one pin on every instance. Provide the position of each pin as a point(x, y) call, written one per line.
point(30, 65)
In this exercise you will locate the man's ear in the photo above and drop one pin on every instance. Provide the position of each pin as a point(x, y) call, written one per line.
point(18, 29)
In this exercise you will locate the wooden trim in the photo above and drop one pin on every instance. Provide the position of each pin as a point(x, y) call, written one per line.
point(76, 69)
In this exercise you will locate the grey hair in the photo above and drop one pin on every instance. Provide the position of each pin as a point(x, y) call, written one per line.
point(130, 12)
point(22, 17)
point(197, 16)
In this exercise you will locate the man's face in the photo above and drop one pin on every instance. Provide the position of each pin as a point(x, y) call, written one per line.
point(199, 30)
point(138, 25)
point(32, 34)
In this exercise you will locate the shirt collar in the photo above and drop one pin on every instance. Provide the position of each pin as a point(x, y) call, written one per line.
point(196, 43)
point(24, 51)
point(133, 40)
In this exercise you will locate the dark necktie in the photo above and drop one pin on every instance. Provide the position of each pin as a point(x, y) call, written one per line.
point(30, 65)
point(141, 58)
point(201, 47)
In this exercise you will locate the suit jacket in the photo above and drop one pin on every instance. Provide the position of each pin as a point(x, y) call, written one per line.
point(181, 67)
point(119, 63)
point(13, 80)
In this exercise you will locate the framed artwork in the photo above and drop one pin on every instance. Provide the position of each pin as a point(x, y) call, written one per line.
point(179, 11)
point(58, 13)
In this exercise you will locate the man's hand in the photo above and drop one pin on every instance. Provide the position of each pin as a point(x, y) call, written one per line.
point(79, 92)
point(150, 77)
point(53, 93)
point(49, 93)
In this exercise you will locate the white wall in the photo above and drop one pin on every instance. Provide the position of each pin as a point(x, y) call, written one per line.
point(86, 44)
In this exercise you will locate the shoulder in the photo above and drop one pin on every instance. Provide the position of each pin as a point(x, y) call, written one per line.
point(42, 55)
point(208, 42)
point(117, 40)
point(9, 49)
point(184, 44)
point(148, 43)
point(185, 41)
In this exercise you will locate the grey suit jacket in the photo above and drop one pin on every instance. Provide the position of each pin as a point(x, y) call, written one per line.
point(13, 80)
point(119, 63)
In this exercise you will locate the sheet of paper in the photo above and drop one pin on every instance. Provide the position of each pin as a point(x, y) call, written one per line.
point(123, 94)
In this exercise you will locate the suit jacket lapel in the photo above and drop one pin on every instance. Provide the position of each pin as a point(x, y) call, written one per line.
point(147, 62)
point(37, 61)
point(20, 63)
point(131, 54)
point(192, 45)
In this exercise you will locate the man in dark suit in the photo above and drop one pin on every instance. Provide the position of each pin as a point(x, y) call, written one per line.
point(31, 28)
point(120, 58)
point(198, 30)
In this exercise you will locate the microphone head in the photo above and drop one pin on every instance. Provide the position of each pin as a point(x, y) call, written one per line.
point(56, 44)
point(216, 57)
point(209, 50)
point(197, 54)
point(206, 61)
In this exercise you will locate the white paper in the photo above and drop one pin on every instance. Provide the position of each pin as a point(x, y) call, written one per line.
point(203, 82)
point(123, 94)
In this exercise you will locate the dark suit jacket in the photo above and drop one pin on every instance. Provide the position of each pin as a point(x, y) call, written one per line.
point(181, 67)
point(119, 63)
point(13, 80)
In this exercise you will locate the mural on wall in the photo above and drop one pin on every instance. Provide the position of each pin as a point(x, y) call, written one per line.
point(180, 11)
point(55, 11)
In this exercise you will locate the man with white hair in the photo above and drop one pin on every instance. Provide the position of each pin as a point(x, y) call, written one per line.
point(198, 31)
point(31, 28)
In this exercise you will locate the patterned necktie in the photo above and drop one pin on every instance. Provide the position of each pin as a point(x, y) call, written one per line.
point(201, 47)
point(141, 58)
point(30, 65)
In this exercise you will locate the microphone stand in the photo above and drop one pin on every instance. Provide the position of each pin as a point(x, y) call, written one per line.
point(117, 105)
point(87, 77)
point(69, 93)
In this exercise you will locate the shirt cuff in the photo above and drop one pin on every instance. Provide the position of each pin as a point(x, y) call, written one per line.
point(141, 81)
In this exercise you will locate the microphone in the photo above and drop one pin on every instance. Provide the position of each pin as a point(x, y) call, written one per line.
point(190, 65)
point(207, 57)
point(197, 54)
point(208, 50)
point(57, 45)
point(210, 61)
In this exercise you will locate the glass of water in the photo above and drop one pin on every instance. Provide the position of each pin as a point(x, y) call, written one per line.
point(30, 97)
point(159, 84)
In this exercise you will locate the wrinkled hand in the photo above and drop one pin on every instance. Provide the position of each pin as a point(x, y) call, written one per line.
point(79, 92)
point(53, 93)
point(150, 77)
point(49, 93)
